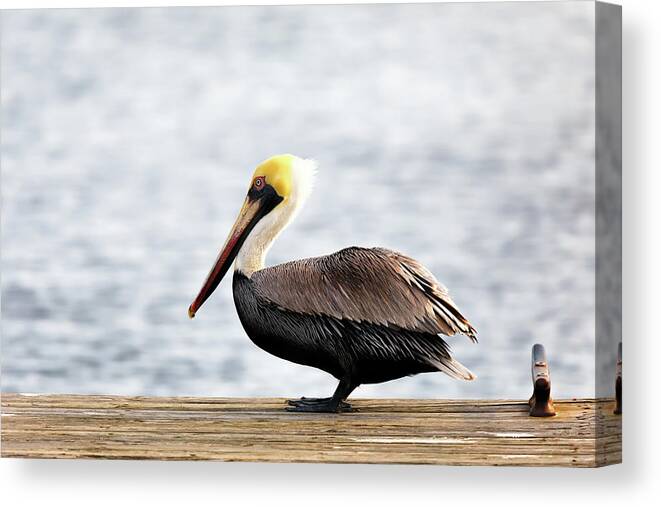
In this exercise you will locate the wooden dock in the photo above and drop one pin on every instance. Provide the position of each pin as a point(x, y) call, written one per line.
point(584, 433)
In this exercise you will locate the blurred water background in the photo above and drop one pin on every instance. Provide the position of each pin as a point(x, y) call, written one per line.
point(460, 134)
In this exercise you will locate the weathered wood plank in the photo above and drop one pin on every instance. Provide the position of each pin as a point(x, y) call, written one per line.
point(452, 432)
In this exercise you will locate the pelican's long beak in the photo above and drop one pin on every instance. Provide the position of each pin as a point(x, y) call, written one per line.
point(252, 211)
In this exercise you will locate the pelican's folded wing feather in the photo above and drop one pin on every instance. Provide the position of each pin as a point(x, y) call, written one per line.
point(372, 285)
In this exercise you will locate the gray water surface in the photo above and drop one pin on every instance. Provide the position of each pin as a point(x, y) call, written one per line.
point(460, 134)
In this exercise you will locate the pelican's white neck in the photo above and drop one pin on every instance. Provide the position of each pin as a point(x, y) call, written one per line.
point(252, 256)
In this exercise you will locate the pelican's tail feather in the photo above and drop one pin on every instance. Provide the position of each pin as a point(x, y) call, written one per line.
point(453, 368)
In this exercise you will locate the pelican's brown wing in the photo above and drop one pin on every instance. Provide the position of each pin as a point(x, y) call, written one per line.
point(373, 285)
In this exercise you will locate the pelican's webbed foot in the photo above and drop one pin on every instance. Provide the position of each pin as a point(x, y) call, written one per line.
point(333, 404)
point(328, 405)
point(307, 401)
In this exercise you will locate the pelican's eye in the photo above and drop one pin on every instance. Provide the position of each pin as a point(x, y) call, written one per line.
point(259, 183)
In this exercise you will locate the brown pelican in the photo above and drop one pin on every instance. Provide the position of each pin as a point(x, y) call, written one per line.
point(364, 315)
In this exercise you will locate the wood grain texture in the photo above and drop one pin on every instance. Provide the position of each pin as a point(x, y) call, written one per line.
point(585, 433)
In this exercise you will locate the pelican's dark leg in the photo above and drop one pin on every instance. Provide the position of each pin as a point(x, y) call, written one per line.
point(335, 403)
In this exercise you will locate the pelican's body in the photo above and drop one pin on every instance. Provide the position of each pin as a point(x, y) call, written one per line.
point(364, 315)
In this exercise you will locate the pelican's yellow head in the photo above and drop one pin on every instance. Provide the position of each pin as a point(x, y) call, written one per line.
point(276, 172)
point(278, 188)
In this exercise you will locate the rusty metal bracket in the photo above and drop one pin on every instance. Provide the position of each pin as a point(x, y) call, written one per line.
point(618, 381)
point(541, 403)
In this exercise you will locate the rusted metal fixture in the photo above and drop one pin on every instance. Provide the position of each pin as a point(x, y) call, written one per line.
point(541, 404)
point(618, 381)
